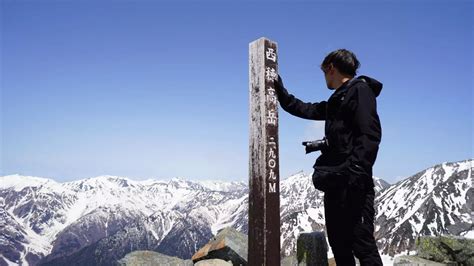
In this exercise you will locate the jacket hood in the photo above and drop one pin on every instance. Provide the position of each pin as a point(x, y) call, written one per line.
point(374, 84)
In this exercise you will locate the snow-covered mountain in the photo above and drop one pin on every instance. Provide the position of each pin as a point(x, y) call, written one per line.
point(99, 220)
point(435, 201)
point(43, 217)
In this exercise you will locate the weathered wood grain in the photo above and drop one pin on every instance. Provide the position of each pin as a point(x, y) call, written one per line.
point(264, 198)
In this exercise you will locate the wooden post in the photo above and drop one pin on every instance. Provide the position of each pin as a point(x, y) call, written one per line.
point(264, 181)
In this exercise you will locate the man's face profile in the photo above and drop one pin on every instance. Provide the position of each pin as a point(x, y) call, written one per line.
point(328, 75)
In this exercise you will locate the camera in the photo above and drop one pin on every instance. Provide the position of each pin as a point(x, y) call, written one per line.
point(316, 145)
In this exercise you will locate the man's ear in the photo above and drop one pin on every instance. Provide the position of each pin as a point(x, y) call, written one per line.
point(331, 68)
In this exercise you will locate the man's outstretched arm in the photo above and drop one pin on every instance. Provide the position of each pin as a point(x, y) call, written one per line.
point(296, 107)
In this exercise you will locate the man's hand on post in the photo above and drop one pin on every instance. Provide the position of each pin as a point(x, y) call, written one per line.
point(278, 83)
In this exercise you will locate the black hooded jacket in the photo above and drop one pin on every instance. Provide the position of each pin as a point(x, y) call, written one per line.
point(352, 125)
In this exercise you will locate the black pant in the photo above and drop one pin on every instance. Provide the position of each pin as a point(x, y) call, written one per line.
point(350, 226)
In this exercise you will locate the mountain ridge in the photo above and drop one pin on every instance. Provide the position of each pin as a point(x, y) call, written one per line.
point(107, 205)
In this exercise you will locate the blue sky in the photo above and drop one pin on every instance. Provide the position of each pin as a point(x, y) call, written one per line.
point(160, 89)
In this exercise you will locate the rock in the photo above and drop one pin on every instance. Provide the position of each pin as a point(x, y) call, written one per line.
point(406, 260)
point(446, 249)
point(150, 258)
point(213, 262)
point(311, 249)
point(292, 261)
point(289, 261)
point(332, 261)
point(228, 245)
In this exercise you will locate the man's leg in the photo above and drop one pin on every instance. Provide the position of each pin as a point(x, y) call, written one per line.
point(338, 227)
point(364, 245)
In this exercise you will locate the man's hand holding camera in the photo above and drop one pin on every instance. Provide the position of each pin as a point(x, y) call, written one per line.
point(316, 145)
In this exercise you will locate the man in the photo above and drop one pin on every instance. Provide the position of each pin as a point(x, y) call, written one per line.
point(344, 168)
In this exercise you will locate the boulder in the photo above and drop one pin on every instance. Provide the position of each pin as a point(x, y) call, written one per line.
point(213, 262)
point(446, 249)
point(289, 261)
point(151, 258)
point(311, 249)
point(406, 260)
point(292, 261)
point(228, 245)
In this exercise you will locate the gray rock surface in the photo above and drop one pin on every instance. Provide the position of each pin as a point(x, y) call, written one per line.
point(311, 249)
point(228, 245)
point(446, 249)
point(289, 261)
point(151, 258)
point(406, 260)
point(213, 262)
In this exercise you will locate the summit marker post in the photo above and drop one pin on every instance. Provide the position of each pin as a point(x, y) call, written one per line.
point(264, 180)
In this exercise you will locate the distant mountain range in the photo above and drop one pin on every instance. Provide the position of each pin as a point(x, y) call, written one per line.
point(99, 220)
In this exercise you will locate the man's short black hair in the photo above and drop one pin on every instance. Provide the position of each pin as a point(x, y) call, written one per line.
point(344, 60)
